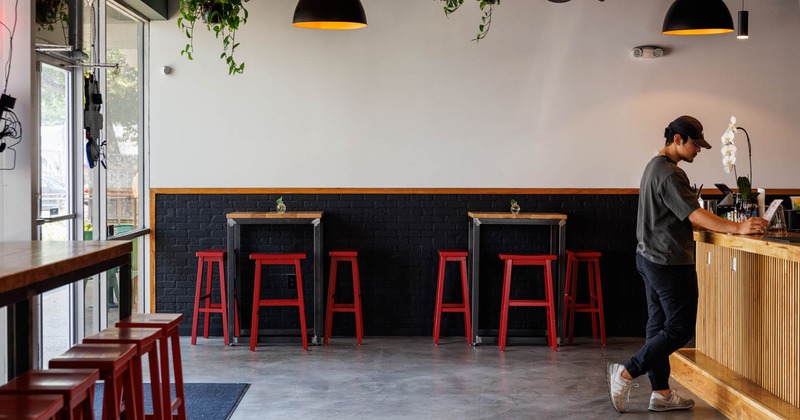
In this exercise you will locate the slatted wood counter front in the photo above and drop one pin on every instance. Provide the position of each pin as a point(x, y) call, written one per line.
point(747, 357)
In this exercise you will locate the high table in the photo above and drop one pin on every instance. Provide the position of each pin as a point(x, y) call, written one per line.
point(558, 230)
point(29, 268)
point(235, 222)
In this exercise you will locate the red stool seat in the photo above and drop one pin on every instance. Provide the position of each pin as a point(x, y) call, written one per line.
point(145, 340)
point(168, 323)
point(30, 407)
point(262, 259)
point(116, 365)
point(548, 302)
point(445, 256)
point(75, 386)
point(338, 256)
point(595, 305)
point(209, 257)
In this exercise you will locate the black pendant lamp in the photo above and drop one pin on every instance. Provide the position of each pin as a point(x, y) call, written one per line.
point(697, 17)
point(744, 16)
point(329, 14)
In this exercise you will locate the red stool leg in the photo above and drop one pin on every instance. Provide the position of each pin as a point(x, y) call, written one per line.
point(357, 301)
point(504, 305)
point(301, 304)
point(437, 314)
point(207, 301)
point(465, 299)
point(573, 303)
point(599, 294)
point(224, 303)
point(256, 298)
point(198, 289)
point(178, 368)
point(592, 296)
point(329, 307)
point(567, 298)
point(551, 309)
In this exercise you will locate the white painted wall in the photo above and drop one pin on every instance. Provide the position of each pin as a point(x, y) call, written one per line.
point(551, 98)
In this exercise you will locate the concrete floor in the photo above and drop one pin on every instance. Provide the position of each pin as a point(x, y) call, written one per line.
point(410, 378)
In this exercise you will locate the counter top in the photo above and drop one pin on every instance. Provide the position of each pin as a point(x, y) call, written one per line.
point(758, 244)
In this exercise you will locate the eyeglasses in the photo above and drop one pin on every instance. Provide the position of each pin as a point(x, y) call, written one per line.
point(693, 142)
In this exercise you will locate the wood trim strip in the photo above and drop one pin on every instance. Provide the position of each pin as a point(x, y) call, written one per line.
point(349, 190)
point(153, 193)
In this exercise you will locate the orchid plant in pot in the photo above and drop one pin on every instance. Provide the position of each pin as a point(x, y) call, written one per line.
point(744, 182)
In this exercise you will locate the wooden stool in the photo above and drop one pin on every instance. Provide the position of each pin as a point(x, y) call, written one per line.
point(116, 365)
point(548, 302)
point(30, 407)
point(355, 307)
point(75, 386)
point(277, 259)
point(145, 340)
point(168, 323)
point(211, 256)
point(460, 257)
point(595, 305)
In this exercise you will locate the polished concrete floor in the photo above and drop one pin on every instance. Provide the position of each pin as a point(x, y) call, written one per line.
point(410, 378)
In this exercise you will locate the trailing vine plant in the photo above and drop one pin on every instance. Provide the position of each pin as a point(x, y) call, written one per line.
point(487, 6)
point(223, 18)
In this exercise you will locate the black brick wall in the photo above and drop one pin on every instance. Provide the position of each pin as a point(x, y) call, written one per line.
point(397, 237)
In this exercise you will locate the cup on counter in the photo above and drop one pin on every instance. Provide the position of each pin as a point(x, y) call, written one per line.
point(795, 202)
point(711, 205)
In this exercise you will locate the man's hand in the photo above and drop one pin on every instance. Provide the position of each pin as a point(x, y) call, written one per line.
point(753, 226)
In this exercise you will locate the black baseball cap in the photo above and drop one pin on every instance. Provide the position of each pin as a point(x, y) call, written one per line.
point(689, 126)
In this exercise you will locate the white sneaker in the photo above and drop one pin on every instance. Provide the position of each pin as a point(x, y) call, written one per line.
point(619, 388)
point(673, 402)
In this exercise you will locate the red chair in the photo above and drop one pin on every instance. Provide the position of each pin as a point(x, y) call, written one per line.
point(209, 257)
point(277, 259)
point(30, 407)
point(595, 305)
point(168, 323)
point(355, 307)
point(116, 365)
point(445, 256)
point(145, 340)
point(75, 386)
point(548, 302)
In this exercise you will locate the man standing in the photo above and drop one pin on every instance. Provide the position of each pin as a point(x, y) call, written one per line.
point(668, 209)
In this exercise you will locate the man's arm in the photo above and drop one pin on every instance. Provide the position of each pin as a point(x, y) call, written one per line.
point(705, 219)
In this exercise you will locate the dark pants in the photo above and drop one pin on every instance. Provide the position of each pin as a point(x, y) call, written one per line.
point(672, 313)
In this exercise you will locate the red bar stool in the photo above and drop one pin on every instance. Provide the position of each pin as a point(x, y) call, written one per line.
point(168, 323)
point(75, 386)
point(145, 340)
point(595, 305)
point(209, 257)
point(277, 259)
point(548, 302)
point(445, 256)
point(30, 407)
point(355, 307)
point(116, 365)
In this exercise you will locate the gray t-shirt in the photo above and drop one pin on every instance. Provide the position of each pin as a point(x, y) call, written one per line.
point(665, 202)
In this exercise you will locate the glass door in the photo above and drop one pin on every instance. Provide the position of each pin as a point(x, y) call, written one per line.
point(56, 210)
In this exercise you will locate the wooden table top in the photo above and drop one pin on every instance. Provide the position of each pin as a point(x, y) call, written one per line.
point(25, 263)
point(276, 215)
point(509, 215)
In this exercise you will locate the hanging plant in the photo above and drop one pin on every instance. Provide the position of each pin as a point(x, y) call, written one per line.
point(223, 18)
point(51, 12)
point(487, 6)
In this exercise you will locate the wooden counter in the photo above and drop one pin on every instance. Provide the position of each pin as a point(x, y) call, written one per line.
point(747, 357)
